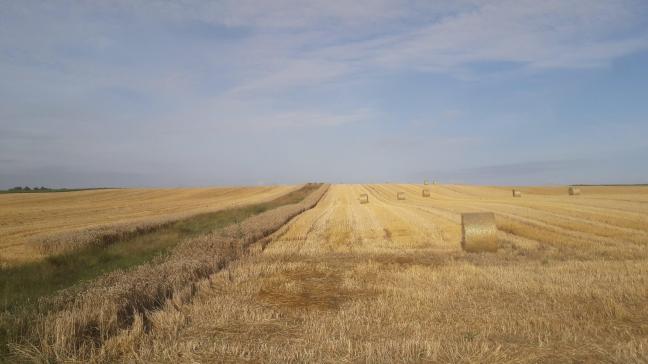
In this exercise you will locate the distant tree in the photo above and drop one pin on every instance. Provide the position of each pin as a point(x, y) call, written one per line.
point(42, 188)
point(26, 188)
point(18, 188)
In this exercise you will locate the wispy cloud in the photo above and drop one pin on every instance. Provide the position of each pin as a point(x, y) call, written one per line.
point(128, 79)
point(308, 119)
point(535, 34)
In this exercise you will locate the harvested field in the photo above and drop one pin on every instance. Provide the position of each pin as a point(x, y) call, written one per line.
point(77, 322)
point(28, 219)
point(389, 282)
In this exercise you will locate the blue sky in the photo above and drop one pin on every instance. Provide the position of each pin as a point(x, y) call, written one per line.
point(193, 93)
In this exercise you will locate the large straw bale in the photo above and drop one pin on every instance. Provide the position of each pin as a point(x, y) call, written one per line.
point(426, 193)
point(479, 232)
point(400, 195)
point(364, 198)
point(574, 191)
point(517, 193)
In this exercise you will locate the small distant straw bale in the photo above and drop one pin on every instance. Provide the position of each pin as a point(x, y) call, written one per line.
point(364, 198)
point(426, 182)
point(517, 193)
point(479, 232)
point(400, 195)
point(426, 193)
point(573, 191)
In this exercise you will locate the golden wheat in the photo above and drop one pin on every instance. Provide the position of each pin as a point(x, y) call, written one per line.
point(389, 282)
point(330, 288)
point(79, 323)
point(34, 225)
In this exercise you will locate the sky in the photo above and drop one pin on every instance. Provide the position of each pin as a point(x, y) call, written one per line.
point(196, 93)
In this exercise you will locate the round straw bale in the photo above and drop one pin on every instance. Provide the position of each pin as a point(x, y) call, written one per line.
point(426, 193)
point(517, 193)
point(479, 232)
point(573, 191)
point(364, 198)
point(400, 195)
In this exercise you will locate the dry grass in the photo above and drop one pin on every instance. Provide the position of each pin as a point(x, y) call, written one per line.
point(35, 225)
point(388, 282)
point(82, 323)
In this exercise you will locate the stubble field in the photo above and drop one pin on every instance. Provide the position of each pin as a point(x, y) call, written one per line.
point(387, 282)
point(26, 219)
